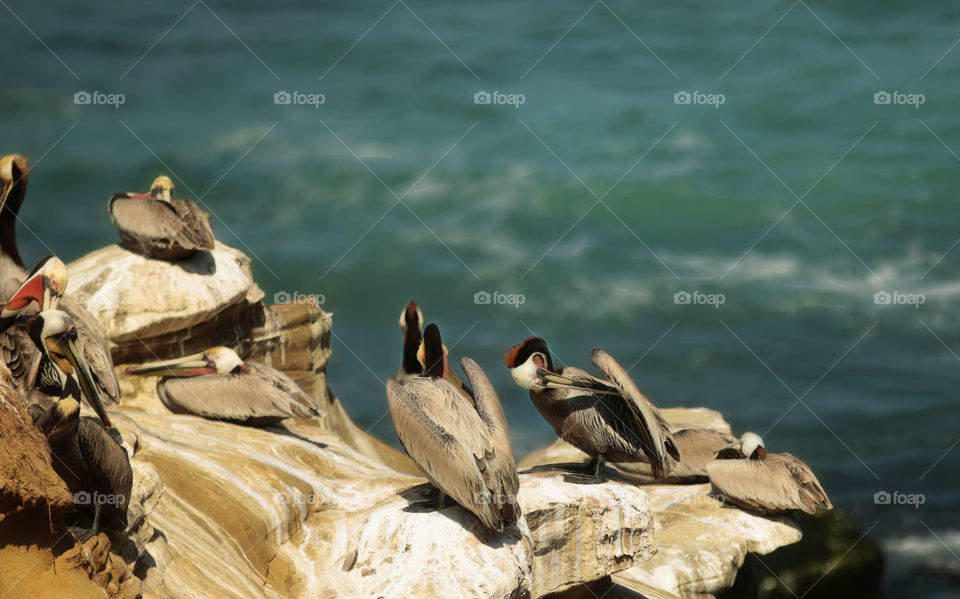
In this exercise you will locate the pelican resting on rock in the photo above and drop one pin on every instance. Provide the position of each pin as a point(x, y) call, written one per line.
point(462, 448)
point(159, 226)
point(745, 475)
point(87, 456)
point(218, 385)
point(14, 173)
point(608, 419)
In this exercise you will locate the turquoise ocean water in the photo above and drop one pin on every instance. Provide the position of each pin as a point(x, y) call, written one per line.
point(791, 161)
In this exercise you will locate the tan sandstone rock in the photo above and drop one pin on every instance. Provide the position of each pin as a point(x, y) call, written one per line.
point(135, 297)
point(701, 543)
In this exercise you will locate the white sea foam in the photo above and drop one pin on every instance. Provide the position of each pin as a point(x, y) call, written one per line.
point(925, 546)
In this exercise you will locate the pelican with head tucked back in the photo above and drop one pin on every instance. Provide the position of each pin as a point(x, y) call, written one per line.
point(14, 173)
point(13, 189)
point(159, 226)
point(745, 475)
point(608, 419)
point(218, 385)
point(87, 456)
point(463, 448)
point(411, 323)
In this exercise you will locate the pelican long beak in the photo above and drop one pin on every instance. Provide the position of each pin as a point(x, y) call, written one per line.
point(82, 375)
point(553, 380)
point(32, 290)
point(195, 365)
point(34, 369)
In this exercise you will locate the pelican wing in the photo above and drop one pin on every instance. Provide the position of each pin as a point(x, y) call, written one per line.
point(110, 465)
point(17, 349)
point(779, 483)
point(156, 227)
point(812, 496)
point(19, 352)
point(652, 426)
point(299, 403)
point(243, 398)
point(504, 479)
point(93, 340)
point(447, 439)
point(697, 448)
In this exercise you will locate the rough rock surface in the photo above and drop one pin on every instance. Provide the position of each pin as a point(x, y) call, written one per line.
point(247, 512)
point(701, 542)
point(27, 478)
point(590, 529)
point(138, 298)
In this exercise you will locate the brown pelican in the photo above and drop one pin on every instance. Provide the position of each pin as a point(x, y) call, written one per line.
point(770, 483)
point(218, 385)
point(411, 322)
point(606, 419)
point(463, 449)
point(159, 226)
point(14, 173)
point(87, 457)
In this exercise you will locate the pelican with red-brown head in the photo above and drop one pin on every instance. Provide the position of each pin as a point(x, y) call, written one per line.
point(608, 419)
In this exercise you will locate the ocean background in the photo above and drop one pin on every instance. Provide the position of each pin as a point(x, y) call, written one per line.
point(598, 199)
